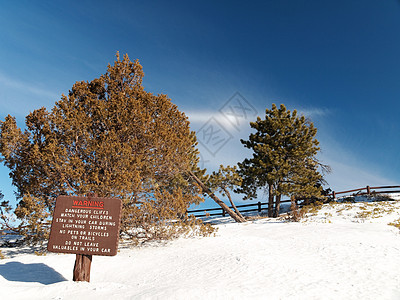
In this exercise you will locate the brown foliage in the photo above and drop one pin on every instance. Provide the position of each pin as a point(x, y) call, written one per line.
point(108, 137)
point(295, 214)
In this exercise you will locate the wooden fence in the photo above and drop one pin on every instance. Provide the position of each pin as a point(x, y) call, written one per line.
point(220, 212)
point(368, 190)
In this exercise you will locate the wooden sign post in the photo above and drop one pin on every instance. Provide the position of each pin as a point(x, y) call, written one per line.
point(85, 226)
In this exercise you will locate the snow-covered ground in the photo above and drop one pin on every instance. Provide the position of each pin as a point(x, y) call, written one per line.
point(343, 251)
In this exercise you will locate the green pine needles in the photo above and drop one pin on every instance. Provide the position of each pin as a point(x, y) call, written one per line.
point(284, 158)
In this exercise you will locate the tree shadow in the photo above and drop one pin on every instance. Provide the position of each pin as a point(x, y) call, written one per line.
point(251, 217)
point(16, 271)
point(11, 252)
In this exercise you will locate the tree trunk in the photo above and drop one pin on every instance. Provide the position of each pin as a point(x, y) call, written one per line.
point(294, 209)
point(82, 266)
point(277, 206)
point(233, 204)
point(270, 200)
point(217, 200)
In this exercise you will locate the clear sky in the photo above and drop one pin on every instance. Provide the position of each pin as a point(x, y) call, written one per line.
point(337, 62)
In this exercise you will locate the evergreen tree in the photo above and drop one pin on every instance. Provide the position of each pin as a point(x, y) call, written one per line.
point(225, 179)
point(284, 158)
point(107, 137)
point(207, 190)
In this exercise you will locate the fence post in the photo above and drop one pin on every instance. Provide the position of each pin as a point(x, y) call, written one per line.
point(333, 194)
point(259, 206)
point(368, 190)
point(223, 212)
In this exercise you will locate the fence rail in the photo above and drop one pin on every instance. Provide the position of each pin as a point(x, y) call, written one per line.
point(369, 190)
point(205, 211)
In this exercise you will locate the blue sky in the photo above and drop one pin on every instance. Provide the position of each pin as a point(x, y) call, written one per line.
point(337, 62)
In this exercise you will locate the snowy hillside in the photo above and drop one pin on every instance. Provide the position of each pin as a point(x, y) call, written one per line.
point(343, 251)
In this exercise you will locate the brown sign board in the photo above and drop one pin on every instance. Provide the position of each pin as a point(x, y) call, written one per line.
point(85, 225)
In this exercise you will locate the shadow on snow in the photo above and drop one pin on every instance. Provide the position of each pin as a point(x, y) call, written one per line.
point(16, 271)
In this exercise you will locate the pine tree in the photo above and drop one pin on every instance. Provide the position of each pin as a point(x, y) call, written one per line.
point(107, 137)
point(284, 158)
point(225, 179)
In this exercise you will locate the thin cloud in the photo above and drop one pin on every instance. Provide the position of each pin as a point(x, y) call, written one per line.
point(315, 112)
point(199, 118)
point(344, 177)
point(26, 86)
point(348, 169)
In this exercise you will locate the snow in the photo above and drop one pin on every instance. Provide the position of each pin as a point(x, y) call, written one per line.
point(343, 251)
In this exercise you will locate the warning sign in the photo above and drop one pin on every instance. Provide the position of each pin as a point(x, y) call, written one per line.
point(85, 225)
